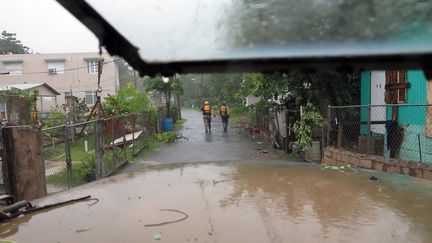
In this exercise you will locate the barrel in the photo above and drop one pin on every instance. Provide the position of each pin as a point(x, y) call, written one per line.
point(167, 124)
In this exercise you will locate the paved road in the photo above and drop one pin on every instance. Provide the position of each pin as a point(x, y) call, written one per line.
point(235, 145)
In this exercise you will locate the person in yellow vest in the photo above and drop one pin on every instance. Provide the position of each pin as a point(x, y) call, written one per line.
point(207, 113)
point(224, 113)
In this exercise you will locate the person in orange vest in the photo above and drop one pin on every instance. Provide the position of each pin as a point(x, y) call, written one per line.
point(224, 113)
point(207, 113)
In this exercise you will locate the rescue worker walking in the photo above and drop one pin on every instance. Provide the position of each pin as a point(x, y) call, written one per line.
point(224, 113)
point(207, 113)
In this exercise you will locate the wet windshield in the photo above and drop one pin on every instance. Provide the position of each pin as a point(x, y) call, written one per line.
point(235, 29)
point(215, 121)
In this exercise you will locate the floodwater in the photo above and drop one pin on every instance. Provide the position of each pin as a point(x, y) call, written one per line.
point(237, 202)
point(235, 145)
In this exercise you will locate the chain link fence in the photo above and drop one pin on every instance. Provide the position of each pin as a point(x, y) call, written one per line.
point(79, 153)
point(400, 131)
point(54, 153)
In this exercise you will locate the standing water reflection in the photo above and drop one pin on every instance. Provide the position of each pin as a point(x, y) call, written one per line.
point(238, 202)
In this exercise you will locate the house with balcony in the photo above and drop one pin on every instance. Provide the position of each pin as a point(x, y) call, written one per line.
point(70, 74)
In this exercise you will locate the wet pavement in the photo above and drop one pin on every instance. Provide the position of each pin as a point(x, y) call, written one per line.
point(235, 145)
point(236, 202)
point(242, 195)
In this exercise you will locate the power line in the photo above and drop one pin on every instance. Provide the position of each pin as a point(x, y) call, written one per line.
point(64, 70)
point(102, 81)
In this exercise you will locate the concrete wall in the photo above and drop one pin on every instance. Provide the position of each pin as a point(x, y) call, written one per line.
point(77, 80)
point(339, 157)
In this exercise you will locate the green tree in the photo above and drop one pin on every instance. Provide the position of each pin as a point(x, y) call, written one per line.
point(56, 117)
point(30, 96)
point(215, 88)
point(225, 87)
point(9, 44)
point(271, 88)
point(289, 91)
point(192, 91)
point(128, 75)
point(75, 109)
point(171, 86)
point(295, 89)
point(303, 127)
point(129, 99)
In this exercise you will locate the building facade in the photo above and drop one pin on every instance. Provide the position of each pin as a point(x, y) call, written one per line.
point(412, 88)
point(69, 73)
point(45, 92)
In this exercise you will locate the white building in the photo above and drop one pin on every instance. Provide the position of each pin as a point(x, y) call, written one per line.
point(68, 73)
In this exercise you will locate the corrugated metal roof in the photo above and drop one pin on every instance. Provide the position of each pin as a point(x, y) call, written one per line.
point(28, 86)
point(20, 86)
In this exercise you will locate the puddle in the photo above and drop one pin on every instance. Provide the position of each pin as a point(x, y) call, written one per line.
point(237, 202)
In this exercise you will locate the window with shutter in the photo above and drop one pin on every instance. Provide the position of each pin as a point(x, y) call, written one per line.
point(396, 87)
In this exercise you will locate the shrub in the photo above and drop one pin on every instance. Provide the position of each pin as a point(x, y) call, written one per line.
point(166, 137)
point(55, 118)
point(128, 100)
point(302, 128)
point(87, 169)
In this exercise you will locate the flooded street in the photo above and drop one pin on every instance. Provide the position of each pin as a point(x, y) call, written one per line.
point(235, 145)
point(233, 121)
point(237, 202)
point(222, 187)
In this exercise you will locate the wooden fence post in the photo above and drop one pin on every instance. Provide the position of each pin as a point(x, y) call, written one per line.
point(23, 164)
point(100, 168)
point(68, 157)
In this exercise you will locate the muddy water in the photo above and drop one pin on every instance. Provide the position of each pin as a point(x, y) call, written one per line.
point(237, 202)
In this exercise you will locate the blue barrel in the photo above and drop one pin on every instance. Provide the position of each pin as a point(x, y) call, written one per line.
point(167, 124)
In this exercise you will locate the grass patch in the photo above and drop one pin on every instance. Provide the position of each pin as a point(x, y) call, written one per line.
point(77, 150)
point(238, 114)
point(238, 110)
point(82, 172)
point(179, 124)
point(60, 179)
point(84, 163)
point(152, 145)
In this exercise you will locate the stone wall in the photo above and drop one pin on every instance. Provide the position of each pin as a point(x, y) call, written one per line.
point(334, 156)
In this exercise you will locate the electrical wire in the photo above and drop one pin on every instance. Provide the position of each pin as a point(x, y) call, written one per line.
point(103, 81)
point(73, 69)
point(64, 70)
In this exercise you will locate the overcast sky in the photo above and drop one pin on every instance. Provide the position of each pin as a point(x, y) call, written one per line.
point(45, 26)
